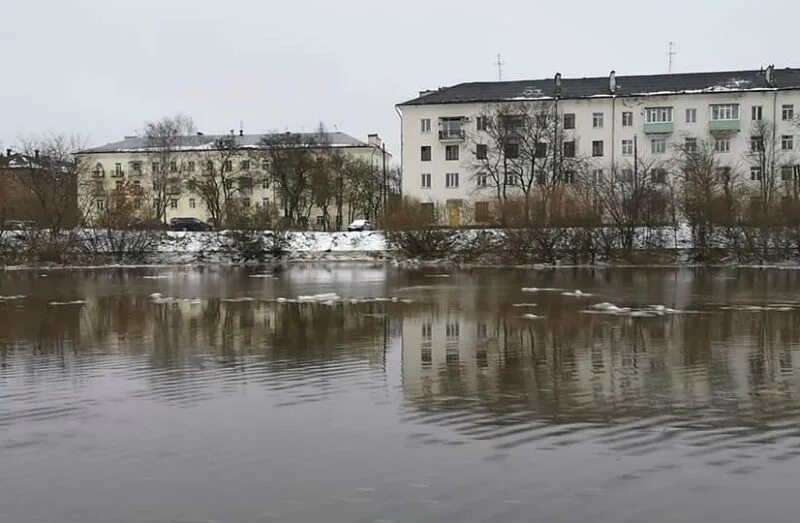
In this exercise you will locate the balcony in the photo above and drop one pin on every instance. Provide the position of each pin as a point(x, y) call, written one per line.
point(724, 126)
point(98, 174)
point(659, 128)
point(118, 174)
point(452, 135)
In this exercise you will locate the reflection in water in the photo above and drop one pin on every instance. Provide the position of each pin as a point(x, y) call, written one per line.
point(444, 405)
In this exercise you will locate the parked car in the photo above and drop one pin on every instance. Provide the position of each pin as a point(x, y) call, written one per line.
point(188, 224)
point(360, 225)
point(150, 224)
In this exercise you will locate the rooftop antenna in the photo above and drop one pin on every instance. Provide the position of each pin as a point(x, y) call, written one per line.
point(671, 53)
point(500, 63)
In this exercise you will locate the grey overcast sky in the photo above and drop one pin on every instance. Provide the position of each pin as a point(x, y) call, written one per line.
point(103, 67)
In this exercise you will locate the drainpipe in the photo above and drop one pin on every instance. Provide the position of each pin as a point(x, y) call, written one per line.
point(402, 149)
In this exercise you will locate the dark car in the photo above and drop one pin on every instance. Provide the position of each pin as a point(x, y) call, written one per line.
point(188, 224)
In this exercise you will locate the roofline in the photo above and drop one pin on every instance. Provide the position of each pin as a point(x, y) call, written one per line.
point(244, 148)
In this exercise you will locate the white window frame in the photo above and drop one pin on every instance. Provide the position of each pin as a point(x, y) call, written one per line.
point(787, 139)
point(658, 145)
point(627, 119)
point(722, 145)
point(598, 176)
point(598, 120)
point(755, 173)
point(787, 112)
point(482, 180)
point(451, 180)
point(425, 180)
point(756, 113)
point(448, 148)
point(724, 112)
point(192, 203)
point(627, 147)
point(691, 115)
point(425, 125)
point(658, 114)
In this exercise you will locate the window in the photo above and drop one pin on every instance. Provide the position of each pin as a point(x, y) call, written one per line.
point(725, 112)
point(265, 165)
point(117, 169)
point(481, 151)
point(173, 204)
point(191, 185)
point(451, 152)
point(320, 220)
point(425, 125)
point(137, 186)
point(627, 147)
point(100, 204)
point(156, 167)
point(511, 150)
point(427, 331)
point(691, 115)
point(569, 120)
point(451, 128)
point(265, 203)
point(658, 114)
point(568, 176)
point(227, 166)
point(786, 172)
point(192, 203)
point(627, 119)
point(597, 120)
point(569, 149)
point(723, 174)
point(690, 145)
point(659, 175)
point(481, 180)
point(756, 143)
point(787, 142)
point(425, 153)
point(245, 165)
point(482, 212)
point(118, 185)
point(541, 150)
point(426, 180)
point(190, 166)
point(597, 176)
point(173, 167)
point(246, 203)
point(512, 121)
point(137, 168)
point(787, 112)
point(510, 179)
point(627, 175)
point(755, 173)
point(265, 183)
point(597, 148)
point(658, 145)
point(756, 112)
point(480, 123)
point(451, 180)
point(722, 145)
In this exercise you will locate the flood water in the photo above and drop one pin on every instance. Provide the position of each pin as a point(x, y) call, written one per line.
point(220, 401)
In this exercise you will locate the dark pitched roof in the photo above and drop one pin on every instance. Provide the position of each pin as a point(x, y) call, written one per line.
point(207, 141)
point(642, 85)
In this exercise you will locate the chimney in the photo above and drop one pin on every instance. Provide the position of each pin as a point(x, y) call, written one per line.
point(557, 82)
point(199, 133)
point(374, 140)
point(36, 154)
point(612, 82)
point(241, 132)
point(8, 153)
point(770, 73)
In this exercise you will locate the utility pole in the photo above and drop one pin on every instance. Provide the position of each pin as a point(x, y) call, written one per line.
point(671, 53)
point(499, 63)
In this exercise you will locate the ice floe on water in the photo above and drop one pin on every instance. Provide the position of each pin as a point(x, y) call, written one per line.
point(333, 299)
point(156, 277)
point(524, 304)
point(160, 299)
point(265, 276)
point(73, 302)
point(437, 276)
point(242, 299)
point(541, 289)
point(776, 307)
point(577, 293)
point(12, 298)
point(648, 311)
point(532, 317)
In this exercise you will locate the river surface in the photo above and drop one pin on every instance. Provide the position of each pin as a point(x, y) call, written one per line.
point(409, 396)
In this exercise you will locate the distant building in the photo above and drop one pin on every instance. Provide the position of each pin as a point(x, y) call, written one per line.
point(136, 162)
point(38, 189)
point(605, 119)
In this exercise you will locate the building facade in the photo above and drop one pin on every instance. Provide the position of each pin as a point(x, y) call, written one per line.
point(609, 121)
point(135, 163)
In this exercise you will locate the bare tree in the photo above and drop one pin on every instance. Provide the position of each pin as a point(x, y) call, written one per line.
point(223, 174)
point(365, 195)
point(167, 141)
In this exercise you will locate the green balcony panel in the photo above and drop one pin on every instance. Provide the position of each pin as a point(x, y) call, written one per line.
point(724, 125)
point(658, 128)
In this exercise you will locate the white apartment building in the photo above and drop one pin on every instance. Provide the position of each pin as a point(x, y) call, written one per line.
point(605, 118)
point(133, 161)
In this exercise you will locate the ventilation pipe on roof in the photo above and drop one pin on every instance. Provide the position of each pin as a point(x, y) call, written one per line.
point(612, 82)
point(8, 153)
point(36, 154)
point(374, 140)
point(557, 81)
point(770, 74)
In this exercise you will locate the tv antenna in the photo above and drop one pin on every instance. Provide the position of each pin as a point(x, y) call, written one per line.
point(499, 63)
point(671, 53)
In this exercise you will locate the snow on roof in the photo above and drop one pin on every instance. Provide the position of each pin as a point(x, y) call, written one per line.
point(598, 87)
point(201, 142)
